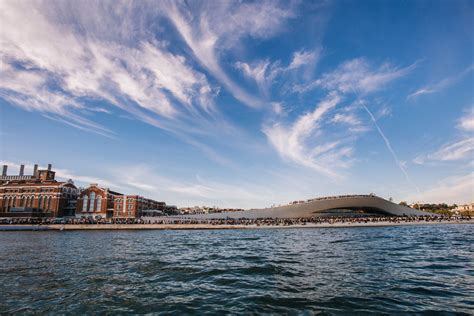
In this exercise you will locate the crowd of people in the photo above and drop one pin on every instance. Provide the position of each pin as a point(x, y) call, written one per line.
point(237, 222)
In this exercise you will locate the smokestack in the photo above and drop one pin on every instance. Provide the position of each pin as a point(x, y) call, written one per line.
point(35, 170)
point(4, 171)
point(22, 170)
point(49, 167)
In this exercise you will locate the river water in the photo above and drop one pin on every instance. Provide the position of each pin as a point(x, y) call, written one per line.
point(292, 271)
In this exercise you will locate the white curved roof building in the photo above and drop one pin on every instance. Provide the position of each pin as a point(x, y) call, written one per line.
point(325, 206)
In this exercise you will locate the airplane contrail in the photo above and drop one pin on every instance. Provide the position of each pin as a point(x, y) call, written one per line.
point(389, 146)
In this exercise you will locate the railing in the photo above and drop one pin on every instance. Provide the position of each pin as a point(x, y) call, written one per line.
point(16, 177)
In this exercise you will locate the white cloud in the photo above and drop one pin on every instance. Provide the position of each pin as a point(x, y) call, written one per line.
point(457, 189)
point(146, 180)
point(383, 111)
point(458, 150)
point(440, 85)
point(463, 149)
point(351, 77)
point(304, 58)
point(278, 108)
point(420, 92)
point(466, 122)
point(349, 119)
point(357, 76)
point(266, 73)
point(50, 62)
point(262, 72)
point(219, 26)
point(302, 142)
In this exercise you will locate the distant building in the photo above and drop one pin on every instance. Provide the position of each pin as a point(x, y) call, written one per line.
point(36, 195)
point(171, 209)
point(206, 210)
point(464, 208)
point(98, 201)
point(135, 205)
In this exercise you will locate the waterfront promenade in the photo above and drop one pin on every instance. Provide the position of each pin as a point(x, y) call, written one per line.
point(264, 224)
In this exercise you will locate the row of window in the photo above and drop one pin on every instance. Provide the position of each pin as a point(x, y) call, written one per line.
point(28, 201)
point(91, 204)
point(28, 190)
point(32, 190)
point(129, 206)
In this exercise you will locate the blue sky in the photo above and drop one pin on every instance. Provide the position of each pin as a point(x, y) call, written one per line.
point(243, 104)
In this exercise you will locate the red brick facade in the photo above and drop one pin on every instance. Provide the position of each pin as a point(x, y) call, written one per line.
point(97, 201)
point(37, 193)
point(41, 195)
point(133, 205)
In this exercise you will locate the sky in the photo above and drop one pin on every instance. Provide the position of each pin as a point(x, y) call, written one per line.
point(242, 103)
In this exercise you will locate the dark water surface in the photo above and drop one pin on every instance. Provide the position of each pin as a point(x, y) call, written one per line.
point(292, 271)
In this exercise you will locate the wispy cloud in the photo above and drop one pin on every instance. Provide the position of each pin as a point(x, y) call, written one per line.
point(55, 63)
point(219, 26)
point(265, 73)
point(195, 191)
point(262, 72)
point(304, 58)
point(356, 76)
point(302, 141)
point(440, 85)
point(458, 150)
point(466, 122)
point(456, 189)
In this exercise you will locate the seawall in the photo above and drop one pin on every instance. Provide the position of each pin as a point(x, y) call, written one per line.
point(73, 227)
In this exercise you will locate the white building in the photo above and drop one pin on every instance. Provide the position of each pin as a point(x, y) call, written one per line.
point(464, 208)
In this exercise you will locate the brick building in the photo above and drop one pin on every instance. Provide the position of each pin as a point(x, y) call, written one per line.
point(98, 201)
point(38, 194)
point(135, 205)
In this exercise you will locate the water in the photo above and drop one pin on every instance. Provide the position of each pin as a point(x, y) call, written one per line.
point(292, 271)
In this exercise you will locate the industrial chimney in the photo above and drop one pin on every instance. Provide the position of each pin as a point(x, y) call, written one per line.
point(22, 170)
point(4, 171)
point(35, 171)
point(49, 167)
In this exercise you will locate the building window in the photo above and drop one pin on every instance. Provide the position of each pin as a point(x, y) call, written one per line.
point(84, 203)
point(48, 204)
point(92, 202)
point(99, 204)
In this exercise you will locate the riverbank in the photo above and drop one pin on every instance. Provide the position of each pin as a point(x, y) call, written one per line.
point(61, 227)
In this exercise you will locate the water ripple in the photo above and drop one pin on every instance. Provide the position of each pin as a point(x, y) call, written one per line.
point(422, 269)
